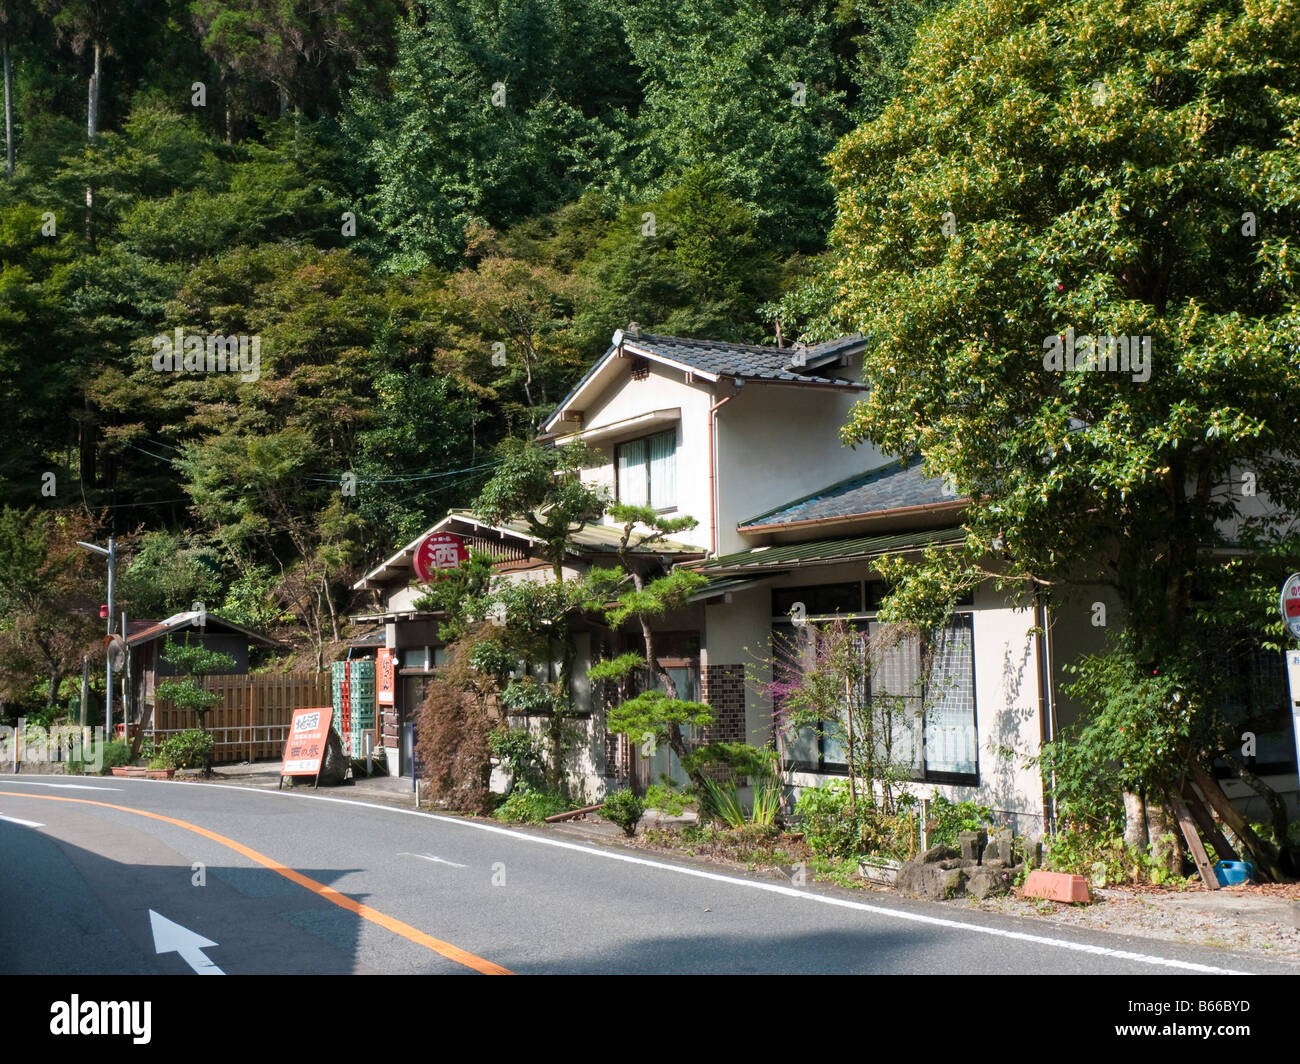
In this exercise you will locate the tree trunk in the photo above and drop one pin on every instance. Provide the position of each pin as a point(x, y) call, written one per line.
point(1259, 850)
point(1135, 822)
point(9, 110)
point(1165, 850)
point(92, 97)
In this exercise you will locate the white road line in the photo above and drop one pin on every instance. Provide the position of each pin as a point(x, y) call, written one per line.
point(24, 823)
point(771, 888)
point(66, 786)
point(430, 857)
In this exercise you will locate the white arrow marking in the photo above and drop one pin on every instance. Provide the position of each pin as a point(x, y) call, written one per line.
point(24, 823)
point(170, 937)
point(429, 857)
point(66, 786)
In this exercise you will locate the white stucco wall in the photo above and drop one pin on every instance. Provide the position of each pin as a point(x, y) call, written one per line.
point(778, 444)
point(1006, 690)
point(663, 389)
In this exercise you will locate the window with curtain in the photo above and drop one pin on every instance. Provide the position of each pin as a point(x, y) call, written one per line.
point(647, 471)
point(935, 731)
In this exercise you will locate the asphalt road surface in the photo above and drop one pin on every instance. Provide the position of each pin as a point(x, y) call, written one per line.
point(120, 876)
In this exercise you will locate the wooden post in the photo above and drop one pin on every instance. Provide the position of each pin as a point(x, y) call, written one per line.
point(252, 722)
point(1199, 855)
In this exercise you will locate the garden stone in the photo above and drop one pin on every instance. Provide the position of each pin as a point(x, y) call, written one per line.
point(999, 847)
point(938, 853)
point(1033, 852)
point(972, 844)
point(984, 882)
point(931, 880)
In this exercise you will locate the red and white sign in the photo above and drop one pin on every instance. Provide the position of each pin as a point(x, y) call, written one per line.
point(304, 750)
point(385, 681)
point(438, 551)
point(1289, 604)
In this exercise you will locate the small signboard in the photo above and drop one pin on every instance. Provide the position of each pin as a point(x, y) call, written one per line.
point(1293, 676)
point(1289, 604)
point(385, 678)
point(304, 750)
point(436, 552)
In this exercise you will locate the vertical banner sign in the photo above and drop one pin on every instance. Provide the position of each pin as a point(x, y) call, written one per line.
point(385, 680)
point(437, 551)
point(304, 750)
point(1289, 604)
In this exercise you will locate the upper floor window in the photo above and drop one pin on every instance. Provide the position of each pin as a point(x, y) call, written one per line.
point(647, 471)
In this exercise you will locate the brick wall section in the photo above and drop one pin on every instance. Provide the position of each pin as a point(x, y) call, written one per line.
point(722, 687)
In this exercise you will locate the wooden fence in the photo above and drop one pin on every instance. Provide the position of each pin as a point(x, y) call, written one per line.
point(252, 719)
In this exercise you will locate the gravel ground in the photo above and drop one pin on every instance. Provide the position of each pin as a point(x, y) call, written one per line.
point(1261, 920)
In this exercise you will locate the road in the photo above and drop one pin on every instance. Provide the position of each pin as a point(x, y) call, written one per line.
point(119, 876)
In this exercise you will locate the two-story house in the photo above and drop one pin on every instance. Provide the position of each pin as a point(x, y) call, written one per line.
point(744, 439)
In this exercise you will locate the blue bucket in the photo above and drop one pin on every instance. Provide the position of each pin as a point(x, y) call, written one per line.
point(1232, 873)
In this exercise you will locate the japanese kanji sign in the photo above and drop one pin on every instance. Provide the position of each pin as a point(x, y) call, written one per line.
point(437, 551)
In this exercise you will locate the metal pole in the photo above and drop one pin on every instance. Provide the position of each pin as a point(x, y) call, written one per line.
point(126, 683)
point(108, 662)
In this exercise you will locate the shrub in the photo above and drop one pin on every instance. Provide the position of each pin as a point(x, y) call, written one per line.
point(528, 806)
point(517, 750)
point(948, 819)
point(189, 749)
point(832, 830)
point(624, 809)
point(453, 746)
point(117, 754)
point(666, 798)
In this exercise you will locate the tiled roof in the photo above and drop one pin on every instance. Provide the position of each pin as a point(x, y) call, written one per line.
point(890, 487)
point(744, 361)
point(748, 361)
point(825, 551)
point(142, 631)
point(603, 538)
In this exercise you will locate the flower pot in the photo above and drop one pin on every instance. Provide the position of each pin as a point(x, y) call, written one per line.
point(160, 773)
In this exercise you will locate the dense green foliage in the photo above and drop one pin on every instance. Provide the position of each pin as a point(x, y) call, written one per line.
point(430, 216)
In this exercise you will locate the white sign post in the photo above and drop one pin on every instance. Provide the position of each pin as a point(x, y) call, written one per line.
point(1289, 604)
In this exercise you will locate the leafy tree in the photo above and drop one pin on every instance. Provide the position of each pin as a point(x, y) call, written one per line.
point(444, 155)
point(635, 590)
point(49, 597)
point(701, 272)
point(1140, 184)
point(751, 90)
point(542, 486)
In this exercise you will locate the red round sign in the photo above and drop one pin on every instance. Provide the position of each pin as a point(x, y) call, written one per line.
point(438, 551)
point(1289, 604)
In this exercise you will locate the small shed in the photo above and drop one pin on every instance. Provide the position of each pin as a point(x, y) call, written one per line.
point(147, 639)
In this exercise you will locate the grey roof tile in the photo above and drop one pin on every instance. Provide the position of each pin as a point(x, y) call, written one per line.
point(888, 487)
point(749, 361)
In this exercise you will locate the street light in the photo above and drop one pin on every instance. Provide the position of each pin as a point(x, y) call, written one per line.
point(111, 555)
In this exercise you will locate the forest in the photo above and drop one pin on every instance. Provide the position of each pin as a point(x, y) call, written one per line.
point(429, 216)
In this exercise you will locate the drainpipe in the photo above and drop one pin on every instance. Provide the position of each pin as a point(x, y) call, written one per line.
point(713, 487)
point(1046, 706)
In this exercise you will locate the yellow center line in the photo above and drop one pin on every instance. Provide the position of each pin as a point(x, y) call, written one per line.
point(411, 934)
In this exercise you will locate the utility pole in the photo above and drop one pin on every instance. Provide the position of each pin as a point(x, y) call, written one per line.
point(111, 555)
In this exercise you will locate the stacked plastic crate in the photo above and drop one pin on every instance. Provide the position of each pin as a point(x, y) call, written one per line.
point(354, 702)
point(362, 680)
